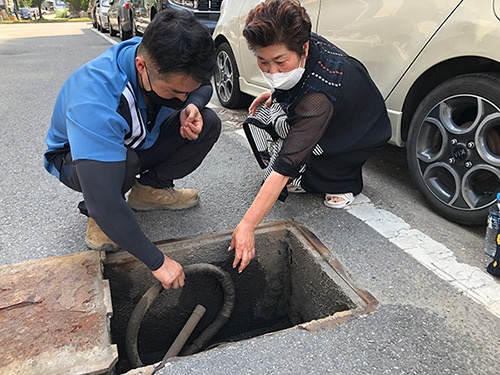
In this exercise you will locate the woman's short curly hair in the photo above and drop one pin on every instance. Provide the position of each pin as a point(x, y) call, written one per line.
point(278, 22)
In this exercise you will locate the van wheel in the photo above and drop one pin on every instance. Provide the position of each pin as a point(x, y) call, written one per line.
point(454, 147)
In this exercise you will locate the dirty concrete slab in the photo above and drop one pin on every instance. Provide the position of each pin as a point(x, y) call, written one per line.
point(54, 317)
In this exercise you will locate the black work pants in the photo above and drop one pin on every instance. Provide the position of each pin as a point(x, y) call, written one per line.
point(171, 157)
point(340, 173)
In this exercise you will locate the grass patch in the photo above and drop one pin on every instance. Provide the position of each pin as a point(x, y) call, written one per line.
point(47, 20)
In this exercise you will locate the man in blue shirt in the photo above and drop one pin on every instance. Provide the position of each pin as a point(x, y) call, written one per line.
point(137, 109)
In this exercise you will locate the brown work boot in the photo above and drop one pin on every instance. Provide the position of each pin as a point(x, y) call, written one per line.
point(146, 198)
point(95, 238)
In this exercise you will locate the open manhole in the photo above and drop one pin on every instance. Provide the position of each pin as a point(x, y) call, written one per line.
point(294, 282)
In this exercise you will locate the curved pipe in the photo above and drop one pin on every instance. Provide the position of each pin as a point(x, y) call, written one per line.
point(148, 298)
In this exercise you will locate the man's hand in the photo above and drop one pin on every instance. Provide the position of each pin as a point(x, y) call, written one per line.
point(243, 244)
point(170, 274)
point(191, 122)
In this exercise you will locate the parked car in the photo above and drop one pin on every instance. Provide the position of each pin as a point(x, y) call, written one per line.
point(144, 12)
point(438, 67)
point(206, 11)
point(35, 13)
point(92, 11)
point(73, 14)
point(102, 15)
point(120, 18)
point(25, 13)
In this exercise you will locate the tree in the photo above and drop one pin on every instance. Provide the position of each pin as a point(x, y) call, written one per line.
point(16, 9)
point(85, 4)
point(75, 5)
point(38, 4)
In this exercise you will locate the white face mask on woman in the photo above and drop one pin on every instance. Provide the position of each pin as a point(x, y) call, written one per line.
point(284, 81)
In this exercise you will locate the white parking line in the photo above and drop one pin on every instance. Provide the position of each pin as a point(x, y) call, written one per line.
point(109, 39)
point(473, 282)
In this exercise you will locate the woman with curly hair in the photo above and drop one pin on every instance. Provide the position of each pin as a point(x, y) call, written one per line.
point(316, 127)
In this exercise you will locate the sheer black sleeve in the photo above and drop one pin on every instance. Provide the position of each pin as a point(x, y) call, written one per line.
point(308, 122)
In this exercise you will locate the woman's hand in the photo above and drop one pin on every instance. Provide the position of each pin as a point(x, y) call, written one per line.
point(243, 244)
point(264, 97)
point(243, 238)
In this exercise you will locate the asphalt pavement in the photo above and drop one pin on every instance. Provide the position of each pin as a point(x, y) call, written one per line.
point(425, 323)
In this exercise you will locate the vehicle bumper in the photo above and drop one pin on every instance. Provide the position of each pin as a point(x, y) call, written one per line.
point(207, 18)
point(126, 25)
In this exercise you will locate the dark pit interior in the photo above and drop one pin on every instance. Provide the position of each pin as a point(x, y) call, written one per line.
point(289, 282)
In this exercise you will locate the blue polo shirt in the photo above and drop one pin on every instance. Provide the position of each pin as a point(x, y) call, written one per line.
point(100, 110)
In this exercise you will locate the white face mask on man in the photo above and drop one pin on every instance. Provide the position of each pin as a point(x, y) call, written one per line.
point(284, 81)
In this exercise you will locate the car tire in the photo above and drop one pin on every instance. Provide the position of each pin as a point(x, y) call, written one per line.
point(123, 34)
point(226, 79)
point(453, 148)
point(112, 32)
point(135, 29)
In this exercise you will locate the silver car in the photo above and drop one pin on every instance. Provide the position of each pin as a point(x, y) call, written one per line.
point(437, 64)
point(102, 15)
point(120, 18)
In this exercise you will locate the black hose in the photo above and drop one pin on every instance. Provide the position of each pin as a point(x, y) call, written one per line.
point(148, 298)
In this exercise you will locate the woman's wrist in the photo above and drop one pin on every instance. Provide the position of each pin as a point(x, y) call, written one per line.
point(248, 224)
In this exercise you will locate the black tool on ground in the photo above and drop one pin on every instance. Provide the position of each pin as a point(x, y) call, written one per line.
point(494, 266)
point(492, 226)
